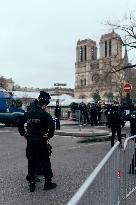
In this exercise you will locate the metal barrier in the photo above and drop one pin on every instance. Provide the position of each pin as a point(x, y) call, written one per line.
point(112, 182)
point(130, 168)
point(98, 189)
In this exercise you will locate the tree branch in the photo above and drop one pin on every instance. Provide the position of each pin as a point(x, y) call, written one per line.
point(124, 67)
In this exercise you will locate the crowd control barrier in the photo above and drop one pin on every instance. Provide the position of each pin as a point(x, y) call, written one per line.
point(113, 181)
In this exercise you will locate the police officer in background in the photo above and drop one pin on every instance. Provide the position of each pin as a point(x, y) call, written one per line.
point(132, 169)
point(40, 127)
point(57, 113)
point(133, 123)
point(115, 122)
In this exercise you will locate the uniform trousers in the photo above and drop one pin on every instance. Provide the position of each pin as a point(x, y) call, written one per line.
point(57, 123)
point(115, 129)
point(38, 150)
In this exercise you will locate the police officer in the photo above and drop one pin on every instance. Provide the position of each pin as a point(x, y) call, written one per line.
point(132, 169)
point(94, 113)
point(115, 122)
point(40, 127)
point(39, 169)
point(57, 113)
point(133, 123)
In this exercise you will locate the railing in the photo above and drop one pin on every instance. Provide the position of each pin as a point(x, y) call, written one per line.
point(130, 168)
point(111, 182)
point(97, 189)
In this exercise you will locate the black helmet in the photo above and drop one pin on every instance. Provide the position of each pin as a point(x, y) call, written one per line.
point(44, 97)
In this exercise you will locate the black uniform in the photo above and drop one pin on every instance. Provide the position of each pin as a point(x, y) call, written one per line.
point(94, 113)
point(115, 122)
point(57, 114)
point(133, 123)
point(132, 169)
point(32, 105)
point(39, 123)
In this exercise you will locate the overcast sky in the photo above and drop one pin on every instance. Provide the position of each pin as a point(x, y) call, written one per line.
point(38, 37)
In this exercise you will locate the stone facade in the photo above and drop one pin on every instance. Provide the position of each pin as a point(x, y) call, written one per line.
point(10, 84)
point(7, 84)
point(94, 74)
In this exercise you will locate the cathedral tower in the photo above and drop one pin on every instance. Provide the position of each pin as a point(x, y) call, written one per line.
point(111, 60)
point(96, 74)
point(111, 46)
point(86, 53)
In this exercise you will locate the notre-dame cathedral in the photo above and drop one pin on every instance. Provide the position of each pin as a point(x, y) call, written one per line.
point(93, 74)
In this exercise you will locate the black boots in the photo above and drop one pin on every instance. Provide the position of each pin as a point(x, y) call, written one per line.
point(49, 185)
point(36, 178)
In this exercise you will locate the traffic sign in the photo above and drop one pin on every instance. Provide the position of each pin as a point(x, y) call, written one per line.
point(127, 87)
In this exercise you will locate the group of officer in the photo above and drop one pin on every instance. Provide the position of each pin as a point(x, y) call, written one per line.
point(39, 128)
point(90, 113)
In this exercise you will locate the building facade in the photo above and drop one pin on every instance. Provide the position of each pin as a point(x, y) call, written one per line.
point(93, 74)
point(6, 84)
point(52, 91)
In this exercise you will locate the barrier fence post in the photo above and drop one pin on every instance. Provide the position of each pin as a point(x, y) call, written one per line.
point(125, 176)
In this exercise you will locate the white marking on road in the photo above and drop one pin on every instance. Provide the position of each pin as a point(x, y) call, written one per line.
point(6, 131)
point(64, 136)
point(87, 145)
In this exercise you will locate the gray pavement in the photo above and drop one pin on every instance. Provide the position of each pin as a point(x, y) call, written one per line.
point(95, 133)
point(73, 159)
point(73, 128)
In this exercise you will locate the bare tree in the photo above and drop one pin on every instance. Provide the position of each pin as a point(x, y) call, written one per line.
point(113, 76)
point(127, 28)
